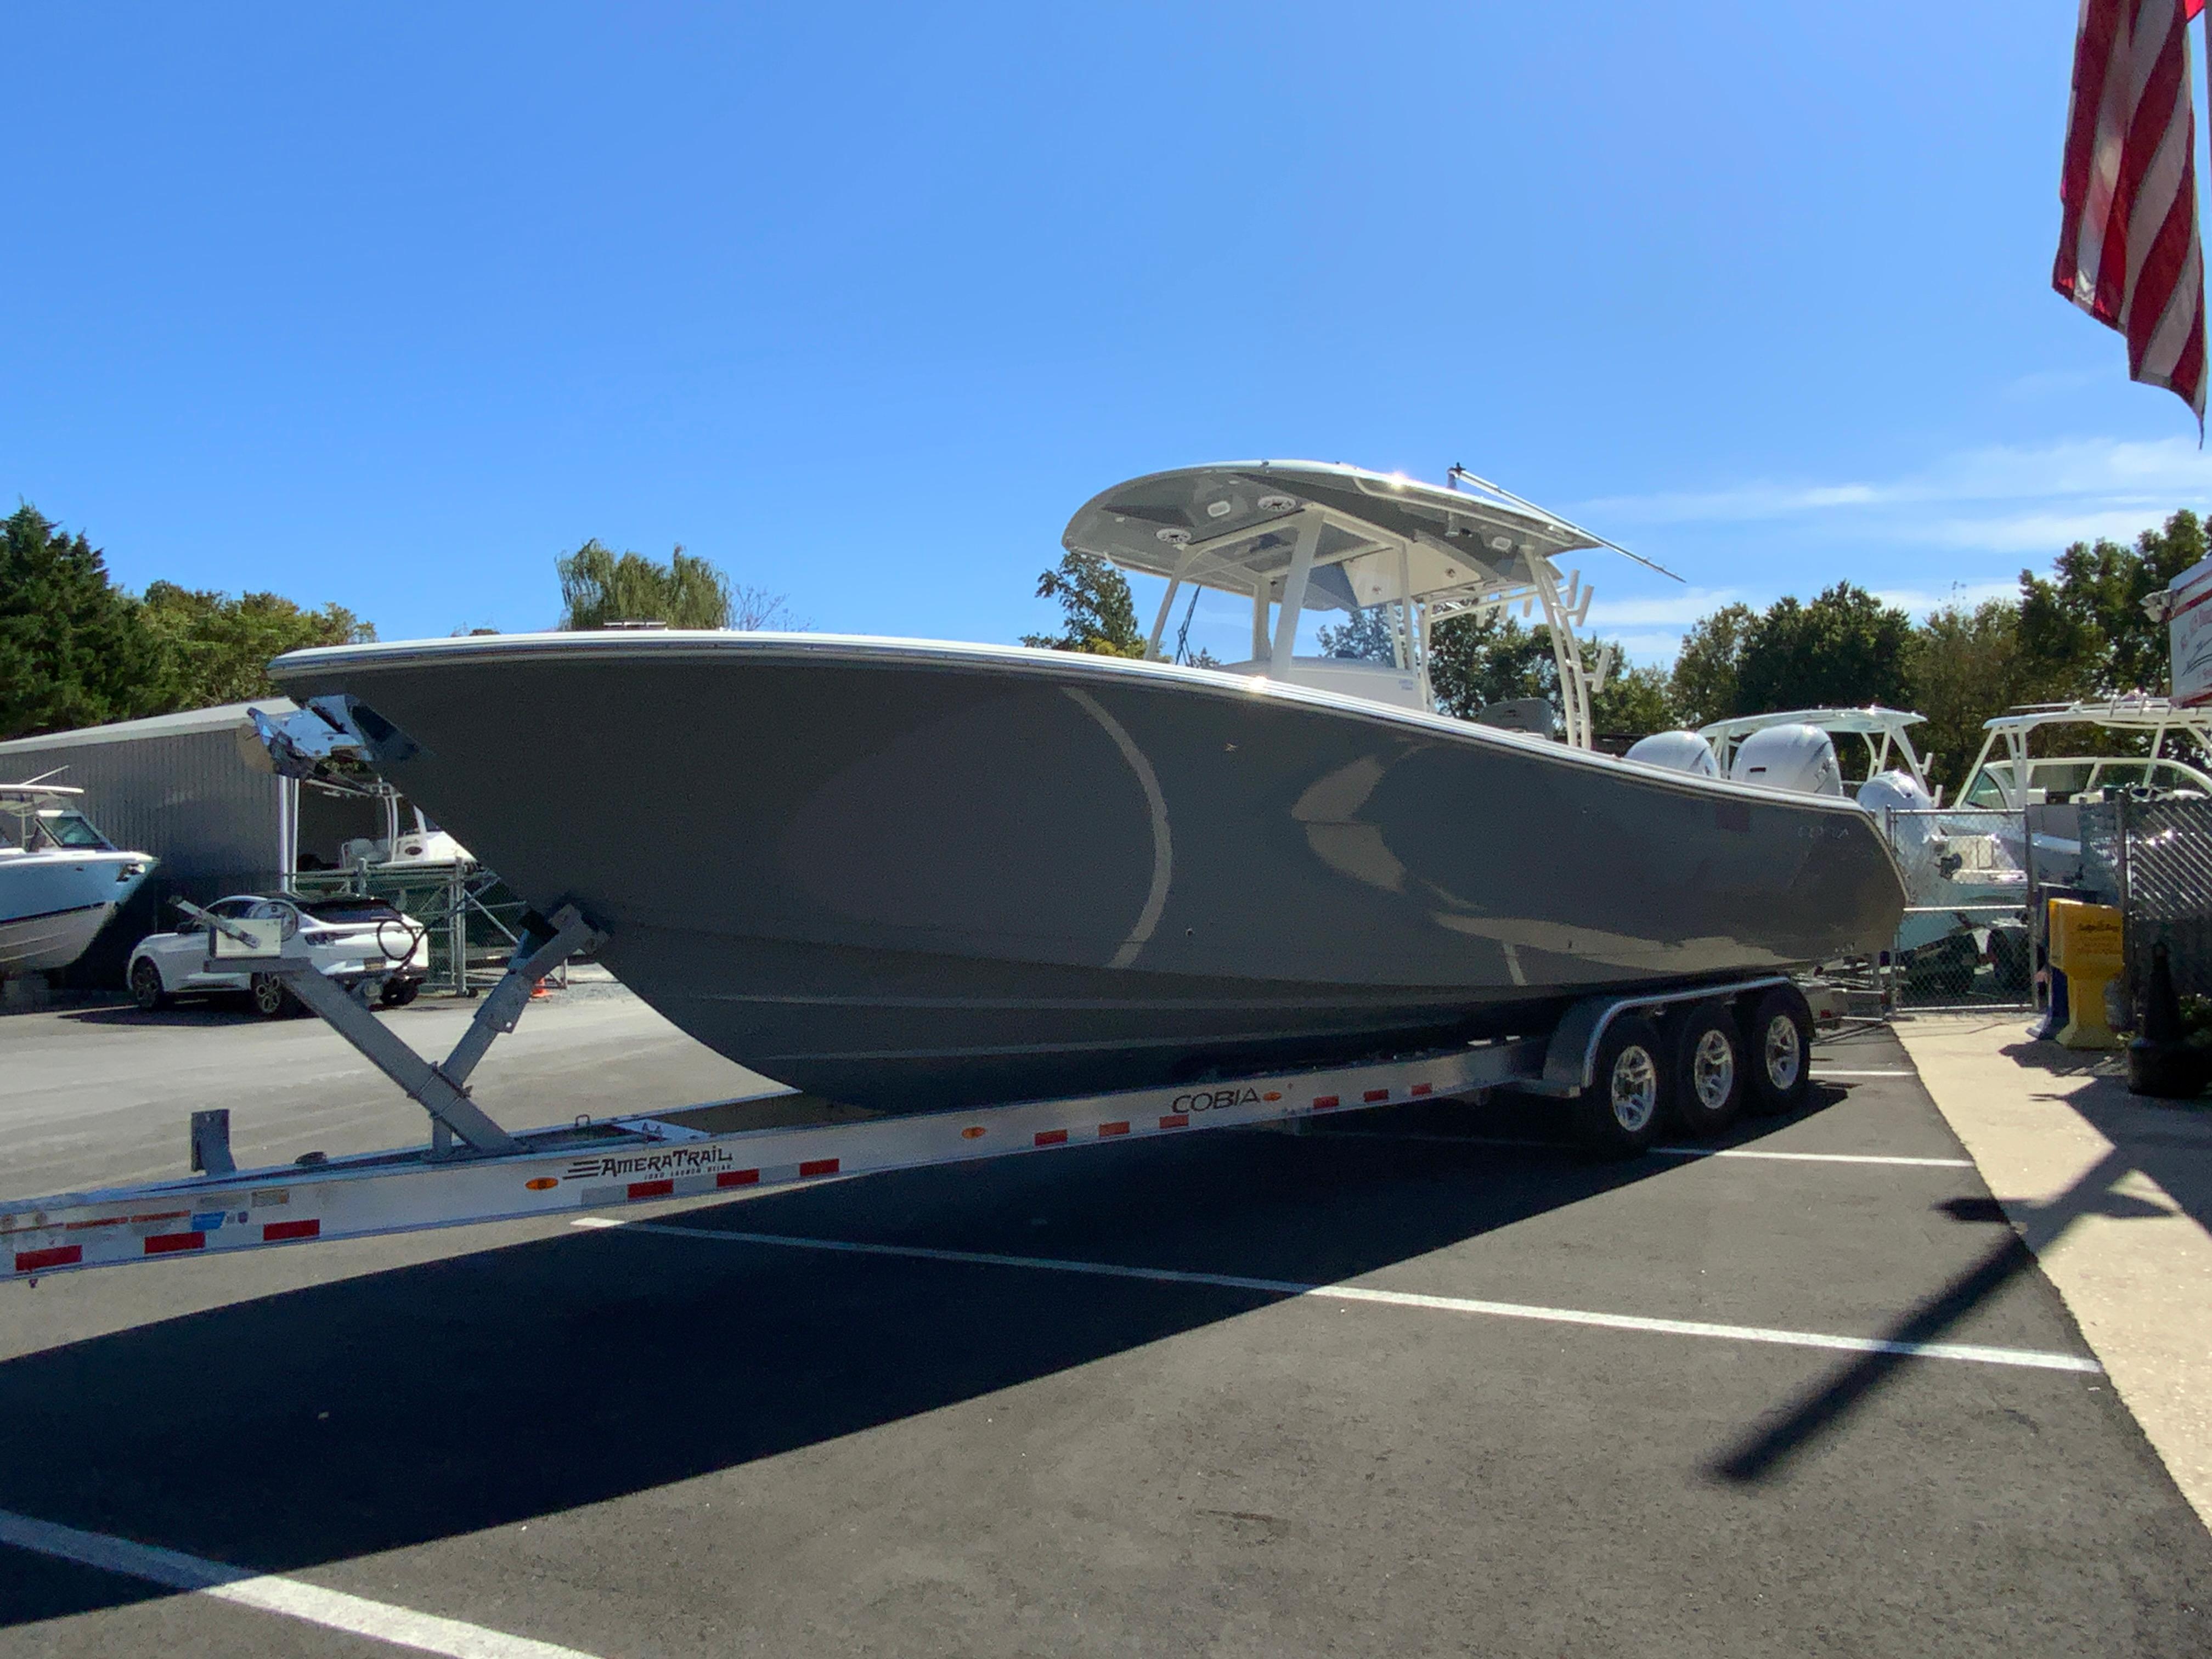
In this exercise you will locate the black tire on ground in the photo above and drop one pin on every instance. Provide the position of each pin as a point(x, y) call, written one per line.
point(1708, 1069)
point(146, 987)
point(2011, 961)
point(1618, 1115)
point(1777, 1046)
point(398, 992)
point(269, 999)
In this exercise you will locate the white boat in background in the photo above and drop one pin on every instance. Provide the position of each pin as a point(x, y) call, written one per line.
point(60, 879)
point(2007, 773)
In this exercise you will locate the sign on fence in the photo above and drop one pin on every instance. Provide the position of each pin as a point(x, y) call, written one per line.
point(2189, 634)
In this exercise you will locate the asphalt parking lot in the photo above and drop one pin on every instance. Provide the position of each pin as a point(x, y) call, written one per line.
point(1416, 1381)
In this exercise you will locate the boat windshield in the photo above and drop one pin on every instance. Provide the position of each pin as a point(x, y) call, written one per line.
point(2063, 779)
point(59, 827)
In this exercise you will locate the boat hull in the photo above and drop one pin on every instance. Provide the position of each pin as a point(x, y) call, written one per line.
point(911, 876)
point(52, 905)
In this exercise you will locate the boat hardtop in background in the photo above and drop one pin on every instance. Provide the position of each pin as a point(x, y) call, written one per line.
point(910, 875)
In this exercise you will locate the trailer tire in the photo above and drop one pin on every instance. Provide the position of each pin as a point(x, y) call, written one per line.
point(1708, 1069)
point(1778, 1048)
point(1618, 1114)
point(270, 998)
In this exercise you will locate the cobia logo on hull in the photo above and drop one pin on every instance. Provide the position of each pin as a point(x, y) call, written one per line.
point(1214, 1100)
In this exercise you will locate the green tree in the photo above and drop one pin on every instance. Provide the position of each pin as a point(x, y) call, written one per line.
point(1967, 667)
point(1478, 659)
point(218, 648)
point(74, 649)
point(1097, 614)
point(2083, 627)
point(600, 587)
point(1843, 649)
point(1366, 635)
point(1704, 681)
point(1634, 702)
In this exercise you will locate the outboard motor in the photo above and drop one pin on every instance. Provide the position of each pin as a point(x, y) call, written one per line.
point(1900, 790)
point(1678, 752)
point(1798, 758)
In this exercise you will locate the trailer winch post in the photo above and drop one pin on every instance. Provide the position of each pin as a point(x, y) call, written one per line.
point(441, 1090)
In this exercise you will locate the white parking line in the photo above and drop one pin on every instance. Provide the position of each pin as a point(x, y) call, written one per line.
point(1670, 1152)
point(272, 1592)
point(2033, 1358)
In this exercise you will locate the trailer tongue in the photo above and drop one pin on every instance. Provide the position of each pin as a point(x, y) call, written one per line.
point(475, 1170)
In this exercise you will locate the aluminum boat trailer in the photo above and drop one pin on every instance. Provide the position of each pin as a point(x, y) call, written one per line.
point(1617, 1062)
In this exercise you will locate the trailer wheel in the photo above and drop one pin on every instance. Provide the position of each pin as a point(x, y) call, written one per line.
point(146, 987)
point(269, 999)
point(1618, 1114)
point(1778, 1039)
point(1709, 1068)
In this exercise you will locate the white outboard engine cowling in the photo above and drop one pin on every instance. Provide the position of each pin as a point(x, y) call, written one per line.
point(1678, 752)
point(1894, 790)
point(1798, 758)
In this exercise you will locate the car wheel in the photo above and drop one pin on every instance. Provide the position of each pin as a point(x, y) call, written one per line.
point(398, 992)
point(1618, 1115)
point(1778, 1050)
point(1708, 1069)
point(146, 987)
point(268, 998)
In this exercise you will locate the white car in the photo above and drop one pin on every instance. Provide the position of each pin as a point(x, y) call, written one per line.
point(358, 942)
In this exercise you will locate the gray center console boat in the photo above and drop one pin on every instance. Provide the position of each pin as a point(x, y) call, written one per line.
point(910, 875)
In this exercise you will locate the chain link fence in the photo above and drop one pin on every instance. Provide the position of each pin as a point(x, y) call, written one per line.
point(2154, 859)
point(1965, 939)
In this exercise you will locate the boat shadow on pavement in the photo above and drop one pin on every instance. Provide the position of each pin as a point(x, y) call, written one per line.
point(399, 1407)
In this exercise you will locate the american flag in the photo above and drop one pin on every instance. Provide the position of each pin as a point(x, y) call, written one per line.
point(2128, 251)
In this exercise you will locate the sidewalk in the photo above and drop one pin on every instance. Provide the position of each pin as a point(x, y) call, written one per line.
point(2114, 1195)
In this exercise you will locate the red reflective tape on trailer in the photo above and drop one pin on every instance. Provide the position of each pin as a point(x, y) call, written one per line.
point(276, 1232)
point(651, 1189)
point(1421, 1088)
point(62, 1255)
point(1176, 1121)
point(820, 1166)
point(1374, 1094)
point(737, 1178)
point(1322, 1103)
point(167, 1243)
point(1052, 1137)
point(1113, 1128)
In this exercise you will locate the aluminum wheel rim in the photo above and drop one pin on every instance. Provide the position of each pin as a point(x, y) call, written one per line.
point(1713, 1068)
point(268, 995)
point(1784, 1054)
point(1635, 1089)
point(145, 980)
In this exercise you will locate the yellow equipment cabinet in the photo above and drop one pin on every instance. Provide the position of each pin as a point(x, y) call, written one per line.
point(2085, 946)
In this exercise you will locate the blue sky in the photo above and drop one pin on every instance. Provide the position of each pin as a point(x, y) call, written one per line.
point(390, 305)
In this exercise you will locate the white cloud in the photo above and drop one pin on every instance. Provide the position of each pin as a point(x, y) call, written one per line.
point(1655, 650)
point(2102, 483)
point(1681, 608)
point(1965, 595)
point(2045, 533)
